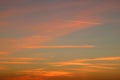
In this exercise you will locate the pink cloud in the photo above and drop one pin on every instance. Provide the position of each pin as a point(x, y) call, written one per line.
point(21, 10)
point(55, 28)
point(52, 31)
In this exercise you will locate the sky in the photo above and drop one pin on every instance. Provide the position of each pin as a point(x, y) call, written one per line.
point(59, 39)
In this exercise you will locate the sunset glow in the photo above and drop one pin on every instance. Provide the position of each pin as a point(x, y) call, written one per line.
point(59, 40)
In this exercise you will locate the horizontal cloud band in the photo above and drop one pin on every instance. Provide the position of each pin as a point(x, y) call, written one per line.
point(68, 46)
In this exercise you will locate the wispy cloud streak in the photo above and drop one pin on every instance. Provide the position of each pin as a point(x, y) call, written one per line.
point(84, 61)
point(22, 59)
point(8, 62)
point(68, 46)
point(47, 73)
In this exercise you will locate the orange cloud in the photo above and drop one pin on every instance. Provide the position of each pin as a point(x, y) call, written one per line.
point(98, 59)
point(8, 62)
point(83, 62)
point(51, 32)
point(102, 67)
point(68, 63)
point(25, 77)
point(69, 46)
point(108, 58)
point(47, 73)
point(2, 68)
point(21, 10)
point(33, 40)
point(4, 52)
point(57, 73)
point(11, 45)
point(94, 68)
point(87, 70)
point(65, 27)
point(56, 27)
point(22, 59)
point(108, 6)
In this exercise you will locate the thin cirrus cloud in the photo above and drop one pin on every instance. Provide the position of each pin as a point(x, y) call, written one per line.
point(16, 62)
point(108, 58)
point(89, 66)
point(47, 73)
point(36, 8)
point(114, 58)
point(92, 11)
point(84, 61)
point(39, 74)
point(88, 70)
point(29, 9)
point(22, 59)
point(55, 28)
point(51, 33)
point(94, 68)
point(102, 67)
point(63, 46)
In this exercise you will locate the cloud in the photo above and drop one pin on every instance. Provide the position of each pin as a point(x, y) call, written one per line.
point(57, 73)
point(11, 45)
point(90, 65)
point(97, 68)
point(32, 8)
point(102, 67)
point(22, 59)
point(2, 68)
point(84, 62)
point(68, 46)
point(33, 40)
point(61, 27)
point(108, 58)
point(47, 73)
point(4, 52)
point(15, 62)
point(87, 70)
point(52, 31)
point(44, 32)
point(68, 63)
point(114, 58)
point(24, 77)
point(54, 28)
